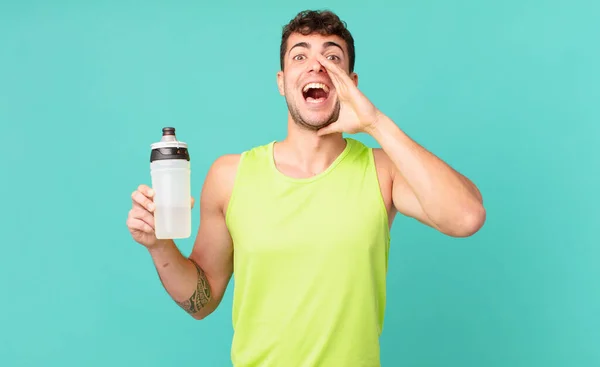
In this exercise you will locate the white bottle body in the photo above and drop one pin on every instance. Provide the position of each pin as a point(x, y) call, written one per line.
point(172, 198)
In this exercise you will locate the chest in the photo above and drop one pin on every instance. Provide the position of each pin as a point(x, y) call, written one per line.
point(308, 220)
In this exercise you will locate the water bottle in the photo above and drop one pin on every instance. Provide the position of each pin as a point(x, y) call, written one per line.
point(170, 172)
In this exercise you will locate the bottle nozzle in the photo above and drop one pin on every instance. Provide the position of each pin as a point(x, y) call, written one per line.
point(168, 134)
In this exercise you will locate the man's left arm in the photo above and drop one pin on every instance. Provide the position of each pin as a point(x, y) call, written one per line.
point(425, 187)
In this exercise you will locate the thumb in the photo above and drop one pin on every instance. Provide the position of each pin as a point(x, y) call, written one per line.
point(327, 130)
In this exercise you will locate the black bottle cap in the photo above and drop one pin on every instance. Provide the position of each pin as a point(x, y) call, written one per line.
point(169, 147)
point(169, 153)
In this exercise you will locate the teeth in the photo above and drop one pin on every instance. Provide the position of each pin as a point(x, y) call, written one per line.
point(316, 86)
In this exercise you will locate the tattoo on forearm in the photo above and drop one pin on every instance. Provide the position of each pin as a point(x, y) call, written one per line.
point(201, 295)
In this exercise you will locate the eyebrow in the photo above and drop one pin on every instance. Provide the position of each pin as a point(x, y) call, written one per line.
point(325, 45)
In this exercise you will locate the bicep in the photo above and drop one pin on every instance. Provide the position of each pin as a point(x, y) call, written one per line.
point(407, 203)
point(404, 199)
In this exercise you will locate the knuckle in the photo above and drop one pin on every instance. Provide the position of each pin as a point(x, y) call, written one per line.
point(144, 190)
point(130, 223)
point(139, 198)
point(138, 212)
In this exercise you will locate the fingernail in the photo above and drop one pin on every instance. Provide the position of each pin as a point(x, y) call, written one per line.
point(150, 192)
point(151, 206)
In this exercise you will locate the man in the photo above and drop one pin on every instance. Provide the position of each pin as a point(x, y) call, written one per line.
point(304, 223)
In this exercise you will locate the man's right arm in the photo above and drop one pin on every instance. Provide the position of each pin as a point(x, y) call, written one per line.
point(183, 279)
point(197, 284)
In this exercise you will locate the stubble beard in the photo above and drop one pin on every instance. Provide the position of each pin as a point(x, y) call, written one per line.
point(313, 126)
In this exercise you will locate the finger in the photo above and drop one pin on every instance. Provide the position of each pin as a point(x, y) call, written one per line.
point(142, 214)
point(329, 65)
point(336, 73)
point(341, 86)
point(333, 75)
point(146, 190)
point(142, 200)
point(193, 201)
point(139, 225)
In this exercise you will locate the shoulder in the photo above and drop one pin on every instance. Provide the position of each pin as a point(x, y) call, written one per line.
point(382, 160)
point(225, 166)
point(221, 175)
point(219, 180)
point(383, 163)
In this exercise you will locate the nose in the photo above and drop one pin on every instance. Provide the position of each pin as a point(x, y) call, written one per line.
point(315, 66)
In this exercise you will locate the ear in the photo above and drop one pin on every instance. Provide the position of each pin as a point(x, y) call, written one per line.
point(280, 83)
point(354, 78)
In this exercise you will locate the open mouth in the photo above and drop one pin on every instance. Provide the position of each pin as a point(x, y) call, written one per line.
point(315, 92)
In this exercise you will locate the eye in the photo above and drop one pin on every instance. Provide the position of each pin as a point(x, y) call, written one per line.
point(298, 57)
point(333, 57)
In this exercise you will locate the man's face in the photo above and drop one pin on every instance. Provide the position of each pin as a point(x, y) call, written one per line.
point(305, 84)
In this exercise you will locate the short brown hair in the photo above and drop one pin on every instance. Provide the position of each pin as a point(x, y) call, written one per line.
point(323, 22)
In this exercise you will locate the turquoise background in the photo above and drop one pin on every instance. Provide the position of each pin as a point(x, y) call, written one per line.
point(507, 92)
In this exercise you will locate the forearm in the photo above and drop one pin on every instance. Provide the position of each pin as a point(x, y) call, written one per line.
point(448, 198)
point(183, 279)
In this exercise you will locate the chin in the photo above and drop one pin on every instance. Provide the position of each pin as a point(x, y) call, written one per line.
point(315, 121)
point(319, 122)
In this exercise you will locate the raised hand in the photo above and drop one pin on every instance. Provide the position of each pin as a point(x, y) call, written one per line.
point(357, 113)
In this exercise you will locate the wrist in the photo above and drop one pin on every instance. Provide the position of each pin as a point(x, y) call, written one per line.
point(381, 125)
point(160, 246)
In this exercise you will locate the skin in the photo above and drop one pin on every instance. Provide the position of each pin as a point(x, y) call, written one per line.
point(413, 181)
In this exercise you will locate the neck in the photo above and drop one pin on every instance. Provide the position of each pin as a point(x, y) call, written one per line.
point(304, 153)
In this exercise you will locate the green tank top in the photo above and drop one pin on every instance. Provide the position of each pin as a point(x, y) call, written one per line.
point(310, 262)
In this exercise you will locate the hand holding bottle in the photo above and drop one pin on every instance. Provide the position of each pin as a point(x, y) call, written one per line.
point(163, 211)
point(140, 221)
